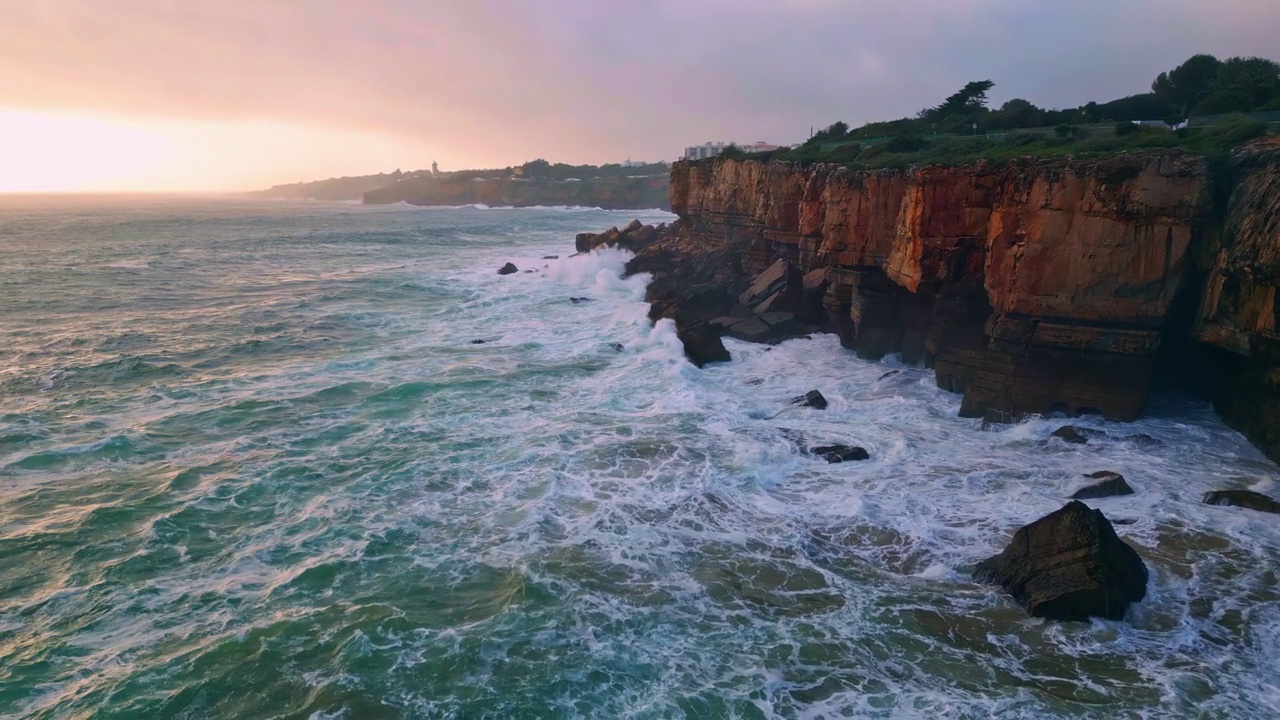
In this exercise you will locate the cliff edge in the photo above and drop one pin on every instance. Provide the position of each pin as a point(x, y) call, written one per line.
point(1029, 286)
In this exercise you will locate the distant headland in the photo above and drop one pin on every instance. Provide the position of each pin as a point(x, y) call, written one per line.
point(613, 186)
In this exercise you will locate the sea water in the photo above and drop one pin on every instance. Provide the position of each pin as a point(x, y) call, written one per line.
point(304, 460)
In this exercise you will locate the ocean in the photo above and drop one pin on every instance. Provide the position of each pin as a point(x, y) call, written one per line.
point(255, 462)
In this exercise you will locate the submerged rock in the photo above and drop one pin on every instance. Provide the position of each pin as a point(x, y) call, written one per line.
point(1242, 498)
point(1077, 435)
point(840, 453)
point(508, 269)
point(550, 257)
point(702, 344)
point(1111, 484)
point(813, 399)
point(1068, 565)
point(579, 300)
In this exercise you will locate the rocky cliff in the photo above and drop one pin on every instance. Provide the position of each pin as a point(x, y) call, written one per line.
point(606, 192)
point(1033, 286)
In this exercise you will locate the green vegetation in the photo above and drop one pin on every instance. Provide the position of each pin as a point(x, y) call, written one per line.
point(543, 170)
point(963, 129)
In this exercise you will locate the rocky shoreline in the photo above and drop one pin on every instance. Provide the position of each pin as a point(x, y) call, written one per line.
point(1060, 286)
point(1039, 287)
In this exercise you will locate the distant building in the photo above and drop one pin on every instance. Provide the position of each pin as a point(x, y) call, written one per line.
point(630, 164)
point(709, 150)
point(435, 169)
point(704, 151)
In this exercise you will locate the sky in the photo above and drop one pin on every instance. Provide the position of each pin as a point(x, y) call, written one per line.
point(178, 95)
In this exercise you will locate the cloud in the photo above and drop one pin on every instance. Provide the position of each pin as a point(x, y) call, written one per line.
point(494, 82)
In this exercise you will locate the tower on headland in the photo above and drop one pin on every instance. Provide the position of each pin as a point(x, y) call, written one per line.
point(435, 169)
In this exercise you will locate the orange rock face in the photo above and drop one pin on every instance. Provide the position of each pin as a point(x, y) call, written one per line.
point(1031, 286)
point(1238, 319)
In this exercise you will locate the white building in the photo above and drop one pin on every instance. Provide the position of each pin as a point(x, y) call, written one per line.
point(704, 151)
point(709, 150)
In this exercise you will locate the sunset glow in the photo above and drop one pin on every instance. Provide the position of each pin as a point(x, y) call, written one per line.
point(145, 96)
point(64, 152)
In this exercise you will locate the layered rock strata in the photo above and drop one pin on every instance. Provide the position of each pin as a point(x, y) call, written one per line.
point(1031, 286)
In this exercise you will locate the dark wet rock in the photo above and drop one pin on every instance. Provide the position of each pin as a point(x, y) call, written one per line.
point(579, 300)
point(813, 399)
point(654, 262)
point(617, 347)
point(840, 453)
point(1077, 435)
point(1068, 565)
point(815, 285)
point(992, 418)
point(778, 288)
point(702, 344)
point(508, 269)
point(1125, 521)
point(756, 382)
point(1110, 484)
point(751, 329)
point(479, 342)
point(550, 257)
point(528, 271)
point(890, 374)
point(634, 236)
point(1242, 498)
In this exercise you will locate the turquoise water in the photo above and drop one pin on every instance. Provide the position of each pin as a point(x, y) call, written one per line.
point(253, 465)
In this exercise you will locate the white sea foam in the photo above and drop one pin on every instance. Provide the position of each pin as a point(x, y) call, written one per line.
point(342, 483)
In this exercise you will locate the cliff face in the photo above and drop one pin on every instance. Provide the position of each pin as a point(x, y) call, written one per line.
point(607, 193)
point(1030, 287)
point(1238, 319)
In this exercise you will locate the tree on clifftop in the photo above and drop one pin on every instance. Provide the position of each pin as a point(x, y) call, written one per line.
point(970, 100)
point(1187, 84)
point(1243, 84)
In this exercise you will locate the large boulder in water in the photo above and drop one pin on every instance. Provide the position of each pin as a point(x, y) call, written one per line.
point(813, 399)
point(1110, 484)
point(1076, 435)
point(841, 453)
point(508, 269)
point(1243, 498)
point(1069, 565)
point(702, 344)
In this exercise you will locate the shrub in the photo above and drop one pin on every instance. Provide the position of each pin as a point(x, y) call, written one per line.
point(1127, 128)
point(1233, 130)
point(1020, 139)
point(906, 144)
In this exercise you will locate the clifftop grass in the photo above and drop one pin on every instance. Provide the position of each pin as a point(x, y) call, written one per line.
point(907, 151)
